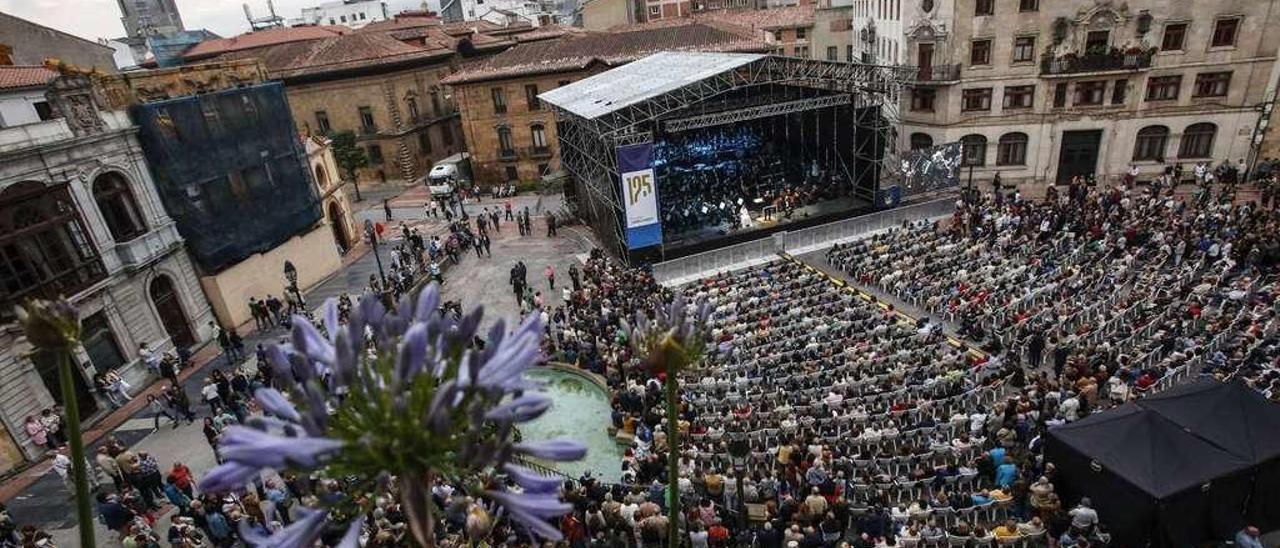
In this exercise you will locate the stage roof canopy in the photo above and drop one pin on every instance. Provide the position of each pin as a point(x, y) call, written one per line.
point(641, 80)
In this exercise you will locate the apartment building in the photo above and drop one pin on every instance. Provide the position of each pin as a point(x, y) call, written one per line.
point(1042, 91)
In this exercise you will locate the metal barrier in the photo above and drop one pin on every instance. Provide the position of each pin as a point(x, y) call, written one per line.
point(684, 269)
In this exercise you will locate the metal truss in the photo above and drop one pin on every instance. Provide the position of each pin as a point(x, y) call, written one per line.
point(753, 113)
point(633, 138)
point(871, 81)
point(593, 164)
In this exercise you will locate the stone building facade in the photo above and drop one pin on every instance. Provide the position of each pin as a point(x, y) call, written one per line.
point(517, 141)
point(384, 84)
point(335, 198)
point(1042, 91)
point(402, 118)
point(80, 217)
point(833, 31)
point(788, 30)
point(23, 42)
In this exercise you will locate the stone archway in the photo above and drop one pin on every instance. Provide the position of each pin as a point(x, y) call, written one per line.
point(339, 227)
point(164, 296)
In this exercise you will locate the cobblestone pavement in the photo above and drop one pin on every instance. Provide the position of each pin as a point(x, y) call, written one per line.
point(37, 495)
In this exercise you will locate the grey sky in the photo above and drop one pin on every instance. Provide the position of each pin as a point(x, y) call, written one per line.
point(93, 19)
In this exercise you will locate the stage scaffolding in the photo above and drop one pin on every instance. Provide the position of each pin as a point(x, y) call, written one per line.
point(623, 106)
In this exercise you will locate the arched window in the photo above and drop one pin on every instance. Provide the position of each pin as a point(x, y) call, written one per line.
point(539, 134)
point(974, 150)
point(322, 178)
point(1197, 141)
point(115, 202)
point(44, 248)
point(921, 141)
point(1150, 143)
point(1012, 149)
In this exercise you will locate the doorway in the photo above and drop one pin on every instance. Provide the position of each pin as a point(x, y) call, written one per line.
point(47, 367)
point(924, 60)
point(100, 343)
point(169, 307)
point(1079, 154)
point(338, 227)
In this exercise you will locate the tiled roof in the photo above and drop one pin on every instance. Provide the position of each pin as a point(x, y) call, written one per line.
point(546, 32)
point(338, 53)
point(438, 37)
point(767, 19)
point(617, 47)
point(25, 76)
point(261, 38)
point(489, 27)
point(401, 22)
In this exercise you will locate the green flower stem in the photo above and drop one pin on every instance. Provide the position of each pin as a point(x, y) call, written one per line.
point(673, 457)
point(84, 514)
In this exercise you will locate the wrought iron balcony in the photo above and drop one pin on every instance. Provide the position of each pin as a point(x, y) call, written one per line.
point(150, 245)
point(1112, 61)
point(507, 154)
point(538, 152)
point(938, 74)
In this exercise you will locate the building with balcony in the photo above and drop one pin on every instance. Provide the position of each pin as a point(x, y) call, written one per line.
point(511, 134)
point(382, 83)
point(80, 217)
point(1042, 91)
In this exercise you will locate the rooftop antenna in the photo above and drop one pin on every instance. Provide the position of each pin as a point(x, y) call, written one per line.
point(267, 22)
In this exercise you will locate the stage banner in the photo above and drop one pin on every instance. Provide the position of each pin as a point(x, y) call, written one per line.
point(639, 195)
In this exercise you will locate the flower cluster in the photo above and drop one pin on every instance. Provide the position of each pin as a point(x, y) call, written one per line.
point(391, 402)
point(50, 325)
point(672, 339)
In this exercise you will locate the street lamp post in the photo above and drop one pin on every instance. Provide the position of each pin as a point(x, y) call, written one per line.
point(372, 234)
point(739, 451)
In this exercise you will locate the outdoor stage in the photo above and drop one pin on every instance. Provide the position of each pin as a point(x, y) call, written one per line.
point(682, 152)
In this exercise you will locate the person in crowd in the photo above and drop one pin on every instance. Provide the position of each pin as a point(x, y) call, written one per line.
point(37, 433)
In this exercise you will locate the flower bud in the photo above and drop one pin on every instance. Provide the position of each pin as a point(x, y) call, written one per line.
point(50, 325)
point(479, 523)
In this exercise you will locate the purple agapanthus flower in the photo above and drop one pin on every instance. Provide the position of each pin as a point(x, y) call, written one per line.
point(668, 336)
point(403, 394)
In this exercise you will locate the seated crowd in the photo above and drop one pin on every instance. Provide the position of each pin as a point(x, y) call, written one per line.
point(1119, 289)
point(859, 425)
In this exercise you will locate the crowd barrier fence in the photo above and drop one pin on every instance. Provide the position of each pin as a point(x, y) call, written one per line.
point(685, 269)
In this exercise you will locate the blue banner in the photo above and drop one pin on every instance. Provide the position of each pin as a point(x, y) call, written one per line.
point(639, 195)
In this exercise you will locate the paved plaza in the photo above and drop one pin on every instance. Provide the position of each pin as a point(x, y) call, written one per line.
point(37, 496)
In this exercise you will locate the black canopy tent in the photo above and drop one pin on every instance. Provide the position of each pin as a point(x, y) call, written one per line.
point(1193, 463)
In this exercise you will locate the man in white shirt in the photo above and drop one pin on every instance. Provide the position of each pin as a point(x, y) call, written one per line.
point(628, 512)
point(62, 465)
point(1083, 517)
point(149, 357)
